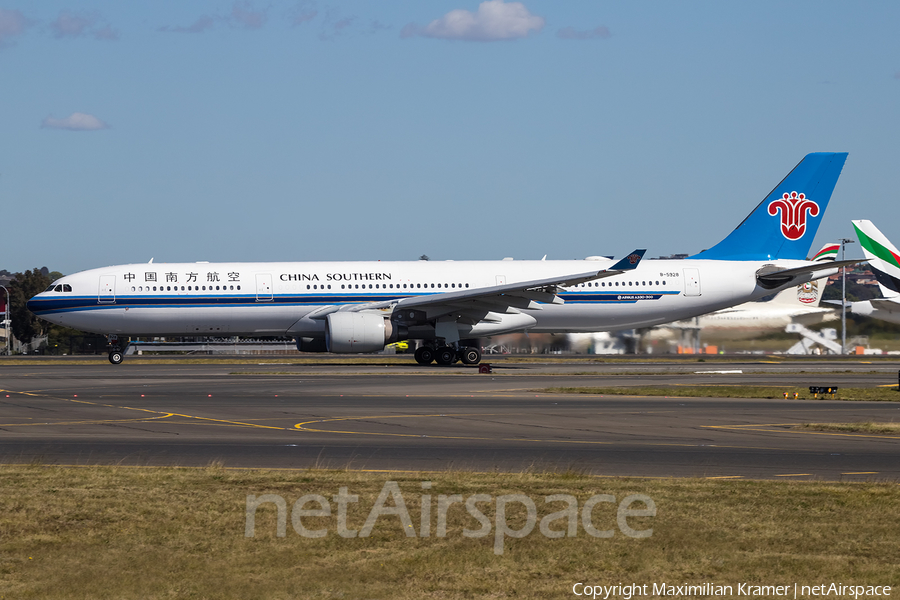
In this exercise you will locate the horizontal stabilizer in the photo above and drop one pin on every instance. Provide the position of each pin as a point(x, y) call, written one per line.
point(772, 277)
point(888, 304)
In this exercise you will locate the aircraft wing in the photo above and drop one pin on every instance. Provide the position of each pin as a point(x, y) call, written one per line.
point(772, 276)
point(524, 294)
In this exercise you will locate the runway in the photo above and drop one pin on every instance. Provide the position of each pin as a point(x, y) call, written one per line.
point(335, 414)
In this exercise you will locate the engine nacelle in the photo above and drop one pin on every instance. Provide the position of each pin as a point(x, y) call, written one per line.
point(356, 332)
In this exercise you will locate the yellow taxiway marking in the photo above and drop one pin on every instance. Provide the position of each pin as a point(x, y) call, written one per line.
point(88, 422)
point(861, 473)
point(162, 414)
point(303, 427)
point(726, 477)
point(795, 475)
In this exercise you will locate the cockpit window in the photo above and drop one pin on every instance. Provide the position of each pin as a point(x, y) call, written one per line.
point(59, 287)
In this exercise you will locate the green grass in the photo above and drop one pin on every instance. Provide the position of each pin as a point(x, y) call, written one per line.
point(877, 394)
point(148, 533)
point(860, 427)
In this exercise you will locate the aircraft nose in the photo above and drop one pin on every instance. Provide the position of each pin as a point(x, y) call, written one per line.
point(32, 303)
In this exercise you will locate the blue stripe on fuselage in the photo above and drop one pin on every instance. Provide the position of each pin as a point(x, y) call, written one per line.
point(52, 305)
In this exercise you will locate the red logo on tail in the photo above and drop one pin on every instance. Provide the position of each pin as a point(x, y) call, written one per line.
point(794, 208)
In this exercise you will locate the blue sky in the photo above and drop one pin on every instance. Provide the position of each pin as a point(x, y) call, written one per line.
point(220, 131)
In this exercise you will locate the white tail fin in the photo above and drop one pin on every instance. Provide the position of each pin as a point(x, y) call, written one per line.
point(884, 258)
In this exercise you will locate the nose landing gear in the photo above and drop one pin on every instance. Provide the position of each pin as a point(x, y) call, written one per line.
point(115, 349)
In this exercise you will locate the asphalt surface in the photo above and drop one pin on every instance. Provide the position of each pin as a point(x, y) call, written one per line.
point(336, 414)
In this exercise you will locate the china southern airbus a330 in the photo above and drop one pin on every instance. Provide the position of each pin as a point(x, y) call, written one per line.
point(362, 306)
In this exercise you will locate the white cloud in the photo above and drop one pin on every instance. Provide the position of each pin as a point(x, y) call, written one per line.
point(73, 25)
point(12, 23)
point(495, 20)
point(75, 122)
point(243, 14)
point(570, 33)
point(199, 26)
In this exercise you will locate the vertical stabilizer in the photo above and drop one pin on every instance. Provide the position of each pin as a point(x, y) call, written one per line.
point(884, 259)
point(784, 224)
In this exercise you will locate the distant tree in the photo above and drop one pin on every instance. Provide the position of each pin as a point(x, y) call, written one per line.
point(855, 292)
point(22, 288)
point(424, 257)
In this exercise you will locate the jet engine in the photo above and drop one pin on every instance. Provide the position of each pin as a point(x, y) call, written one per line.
point(358, 332)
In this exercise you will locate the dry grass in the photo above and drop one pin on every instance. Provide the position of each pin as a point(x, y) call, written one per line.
point(877, 394)
point(861, 427)
point(116, 532)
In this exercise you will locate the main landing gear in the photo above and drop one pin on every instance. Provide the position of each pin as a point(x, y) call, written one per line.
point(115, 349)
point(447, 355)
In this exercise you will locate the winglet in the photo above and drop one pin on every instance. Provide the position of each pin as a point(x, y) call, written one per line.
point(630, 262)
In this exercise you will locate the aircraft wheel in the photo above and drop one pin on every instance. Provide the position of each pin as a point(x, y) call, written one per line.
point(116, 357)
point(471, 355)
point(424, 355)
point(445, 356)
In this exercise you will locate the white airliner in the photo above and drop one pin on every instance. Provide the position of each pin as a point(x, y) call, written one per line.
point(362, 306)
point(884, 261)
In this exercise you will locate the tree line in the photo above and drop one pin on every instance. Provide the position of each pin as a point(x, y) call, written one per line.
point(26, 326)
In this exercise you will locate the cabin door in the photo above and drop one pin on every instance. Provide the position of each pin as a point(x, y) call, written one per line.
point(263, 287)
point(107, 294)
